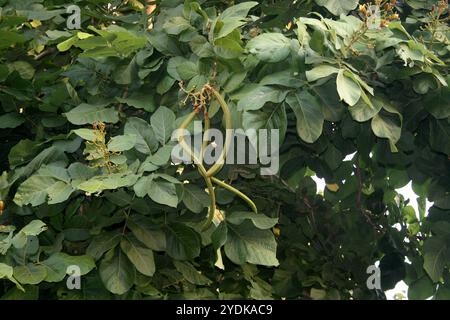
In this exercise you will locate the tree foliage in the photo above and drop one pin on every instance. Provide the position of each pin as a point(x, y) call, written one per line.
point(86, 118)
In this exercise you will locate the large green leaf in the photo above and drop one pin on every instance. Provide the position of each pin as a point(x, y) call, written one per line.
point(183, 243)
point(232, 18)
point(87, 113)
point(436, 255)
point(254, 97)
point(7, 272)
point(268, 118)
point(387, 126)
point(30, 273)
point(163, 121)
point(259, 220)
point(50, 184)
point(362, 111)
point(194, 198)
point(139, 100)
point(321, 71)
point(163, 192)
point(145, 136)
point(247, 244)
point(348, 89)
point(141, 257)
point(309, 115)
point(338, 7)
point(58, 263)
point(11, 120)
point(191, 274)
point(102, 243)
point(438, 104)
point(269, 47)
point(421, 289)
point(440, 135)
point(122, 143)
point(8, 38)
point(144, 230)
point(117, 272)
point(107, 182)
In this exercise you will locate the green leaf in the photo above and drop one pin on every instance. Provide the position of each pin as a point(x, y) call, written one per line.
point(259, 220)
point(30, 273)
point(11, 120)
point(7, 271)
point(183, 243)
point(162, 122)
point(232, 18)
point(58, 263)
point(348, 89)
point(327, 96)
point(421, 289)
point(107, 182)
point(8, 38)
point(219, 236)
point(191, 274)
point(362, 111)
point(87, 113)
point(269, 47)
point(140, 101)
point(162, 192)
point(320, 72)
point(338, 7)
point(141, 257)
point(201, 47)
point(117, 272)
point(34, 228)
point(438, 104)
point(443, 292)
point(103, 243)
point(86, 134)
point(387, 126)
point(187, 70)
point(146, 141)
point(173, 64)
point(176, 25)
point(228, 47)
point(122, 143)
point(268, 118)
point(436, 255)
point(162, 156)
point(309, 115)
point(67, 44)
point(50, 184)
point(144, 230)
point(254, 97)
point(440, 135)
point(194, 198)
point(247, 244)
point(25, 70)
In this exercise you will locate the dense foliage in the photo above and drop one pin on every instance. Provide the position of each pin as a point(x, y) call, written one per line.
point(86, 176)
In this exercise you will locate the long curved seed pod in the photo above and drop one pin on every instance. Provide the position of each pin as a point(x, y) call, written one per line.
point(205, 141)
point(237, 192)
point(212, 208)
point(201, 169)
point(228, 133)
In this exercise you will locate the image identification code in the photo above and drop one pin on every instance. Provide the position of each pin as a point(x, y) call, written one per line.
point(225, 309)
